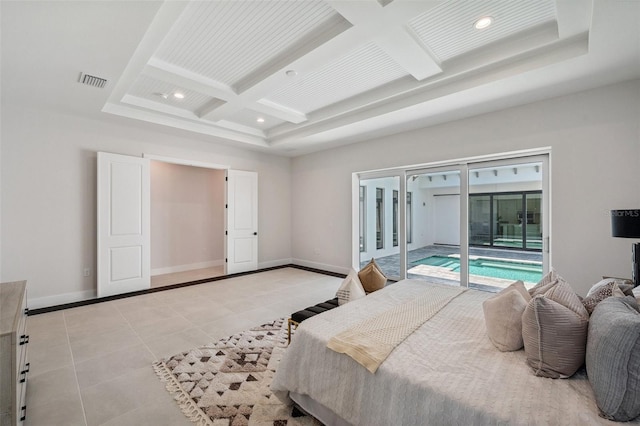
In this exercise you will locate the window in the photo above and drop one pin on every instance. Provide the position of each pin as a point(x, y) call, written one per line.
point(395, 218)
point(506, 220)
point(379, 218)
point(363, 218)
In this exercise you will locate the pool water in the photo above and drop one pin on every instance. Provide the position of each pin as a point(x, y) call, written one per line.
point(494, 268)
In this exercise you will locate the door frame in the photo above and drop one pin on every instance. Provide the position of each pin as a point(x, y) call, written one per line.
point(462, 165)
point(203, 164)
point(147, 157)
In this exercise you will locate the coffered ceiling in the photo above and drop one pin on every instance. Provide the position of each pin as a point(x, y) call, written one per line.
point(300, 75)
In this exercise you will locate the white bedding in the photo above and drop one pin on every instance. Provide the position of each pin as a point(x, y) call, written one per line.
point(446, 373)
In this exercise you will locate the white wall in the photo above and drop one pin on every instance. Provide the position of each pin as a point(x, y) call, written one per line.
point(388, 185)
point(187, 217)
point(595, 140)
point(49, 194)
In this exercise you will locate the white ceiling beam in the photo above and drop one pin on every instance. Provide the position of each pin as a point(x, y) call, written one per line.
point(179, 112)
point(161, 25)
point(151, 116)
point(573, 16)
point(186, 79)
point(341, 45)
point(213, 111)
point(387, 26)
point(446, 84)
point(369, 20)
point(137, 101)
point(279, 111)
point(412, 57)
point(338, 46)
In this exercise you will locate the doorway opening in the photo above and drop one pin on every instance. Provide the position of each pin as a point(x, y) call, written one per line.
point(187, 223)
point(124, 223)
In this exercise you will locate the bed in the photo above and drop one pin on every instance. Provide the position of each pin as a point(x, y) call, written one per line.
point(446, 372)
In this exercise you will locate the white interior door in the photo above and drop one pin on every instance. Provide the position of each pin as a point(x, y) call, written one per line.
point(123, 224)
point(241, 240)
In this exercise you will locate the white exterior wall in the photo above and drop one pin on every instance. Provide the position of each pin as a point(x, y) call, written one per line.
point(595, 140)
point(388, 185)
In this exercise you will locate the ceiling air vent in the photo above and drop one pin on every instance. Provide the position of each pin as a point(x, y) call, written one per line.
point(91, 80)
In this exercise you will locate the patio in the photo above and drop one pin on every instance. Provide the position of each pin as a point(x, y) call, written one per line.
point(391, 265)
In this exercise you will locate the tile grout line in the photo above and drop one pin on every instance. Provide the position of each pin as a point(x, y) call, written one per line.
point(75, 373)
point(155, 358)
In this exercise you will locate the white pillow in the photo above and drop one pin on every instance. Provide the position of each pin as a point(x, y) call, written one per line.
point(503, 317)
point(350, 289)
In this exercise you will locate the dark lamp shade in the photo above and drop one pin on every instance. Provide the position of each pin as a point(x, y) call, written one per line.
point(625, 223)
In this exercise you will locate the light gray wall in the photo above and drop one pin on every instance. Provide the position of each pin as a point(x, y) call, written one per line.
point(595, 141)
point(49, 194)
point(187, 217)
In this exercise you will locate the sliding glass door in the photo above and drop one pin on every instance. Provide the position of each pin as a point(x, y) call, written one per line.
point(433, 219)
point(506, 218)
point(482, 224)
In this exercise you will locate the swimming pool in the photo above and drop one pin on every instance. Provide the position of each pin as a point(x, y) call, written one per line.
point(489, 267)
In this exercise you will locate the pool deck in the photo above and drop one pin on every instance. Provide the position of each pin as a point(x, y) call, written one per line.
point(391, 265)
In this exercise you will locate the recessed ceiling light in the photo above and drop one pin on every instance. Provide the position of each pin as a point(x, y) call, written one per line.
point(162, 95)
point(483, 23)
point(178, 95)
point(260, 120)
point(291, 73)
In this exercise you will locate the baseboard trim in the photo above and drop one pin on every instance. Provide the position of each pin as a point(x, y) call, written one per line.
point(322, 266)
point(189, 267)
point(275, 263)
point(64, 298)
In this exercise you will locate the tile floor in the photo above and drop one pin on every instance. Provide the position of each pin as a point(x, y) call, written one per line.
point(91, 365)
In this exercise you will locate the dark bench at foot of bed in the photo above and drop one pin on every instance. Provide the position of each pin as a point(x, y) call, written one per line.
point(298, 317)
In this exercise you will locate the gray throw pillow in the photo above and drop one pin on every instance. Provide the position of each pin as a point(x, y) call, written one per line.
point(554, 331)
point(613, 358)
point(545, 284)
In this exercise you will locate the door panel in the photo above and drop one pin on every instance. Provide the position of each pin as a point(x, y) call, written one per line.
point(125, 263)
point(123, 224)
point(435, 250)
point(508, 212)
point(126, 198)
point(242, 222)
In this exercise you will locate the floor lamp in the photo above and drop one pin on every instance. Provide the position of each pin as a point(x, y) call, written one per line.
point(626, 224)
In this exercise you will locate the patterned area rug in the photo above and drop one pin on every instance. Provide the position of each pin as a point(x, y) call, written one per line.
point(227, 382)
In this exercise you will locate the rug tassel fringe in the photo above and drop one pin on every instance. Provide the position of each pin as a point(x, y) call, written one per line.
point(186, 404)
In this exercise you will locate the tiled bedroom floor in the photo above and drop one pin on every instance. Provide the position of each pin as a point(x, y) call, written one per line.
point(91, 365)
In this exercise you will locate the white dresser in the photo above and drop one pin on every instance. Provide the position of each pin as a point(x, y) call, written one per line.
point(14, 366)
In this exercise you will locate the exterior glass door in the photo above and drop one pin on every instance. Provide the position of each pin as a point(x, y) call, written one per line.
point(482, 224)
point(433, 226)
point(506, 219)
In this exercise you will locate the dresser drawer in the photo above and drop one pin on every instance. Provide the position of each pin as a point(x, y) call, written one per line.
point(14, 363)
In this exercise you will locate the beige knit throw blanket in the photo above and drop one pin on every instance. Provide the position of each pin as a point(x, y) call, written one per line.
point(371, 341)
